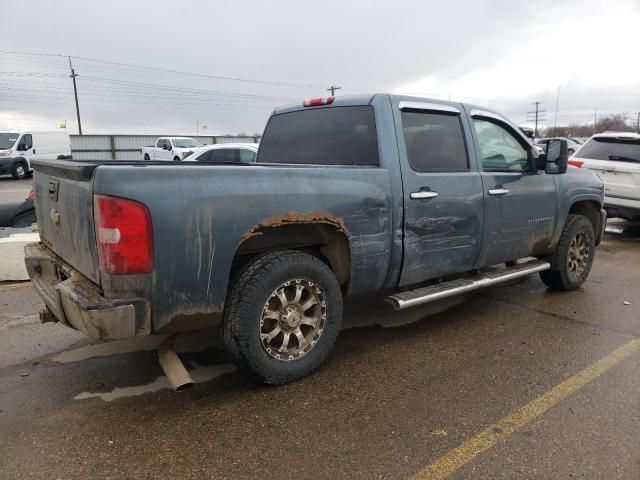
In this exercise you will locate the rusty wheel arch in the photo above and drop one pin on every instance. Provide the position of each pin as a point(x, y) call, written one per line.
point(319, 233)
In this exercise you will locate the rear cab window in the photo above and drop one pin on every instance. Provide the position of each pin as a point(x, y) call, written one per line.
point(321, 136)
point(434, 142)
point(611, 148)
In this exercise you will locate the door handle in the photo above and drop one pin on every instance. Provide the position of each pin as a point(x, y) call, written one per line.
point(423, 194)
point(498, 192)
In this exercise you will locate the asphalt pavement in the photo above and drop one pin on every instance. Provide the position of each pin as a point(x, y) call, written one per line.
point(14, 190)
point(513, 382)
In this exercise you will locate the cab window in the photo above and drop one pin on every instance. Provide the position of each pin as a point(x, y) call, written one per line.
point(500, 151)
point(224, 155)
point(26, 142)
point(247, 156)
point(434, 142)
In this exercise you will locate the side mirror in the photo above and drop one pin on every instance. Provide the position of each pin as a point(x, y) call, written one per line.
point(21, 147)
point(557, 157)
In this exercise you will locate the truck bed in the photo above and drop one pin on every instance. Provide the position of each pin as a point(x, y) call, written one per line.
point(200, 215)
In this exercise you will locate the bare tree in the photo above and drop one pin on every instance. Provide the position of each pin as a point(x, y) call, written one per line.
point(611, 123)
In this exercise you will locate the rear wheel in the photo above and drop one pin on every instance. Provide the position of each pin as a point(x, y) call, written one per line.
point(19, 171)
point(573, 258)
point(283, 315)
point(147, 157)
point(176, 159)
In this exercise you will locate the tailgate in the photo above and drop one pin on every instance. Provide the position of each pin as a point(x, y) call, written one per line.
point(619, 178)
point(64, 207)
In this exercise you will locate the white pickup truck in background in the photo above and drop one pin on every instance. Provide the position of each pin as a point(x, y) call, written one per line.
point(171, 148)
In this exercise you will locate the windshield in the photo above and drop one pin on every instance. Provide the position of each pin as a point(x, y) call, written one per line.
point(186, 143)
point(611, 148)
point(7, 140)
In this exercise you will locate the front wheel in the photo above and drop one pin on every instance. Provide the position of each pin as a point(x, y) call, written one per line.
point(283, 315)
point(19, 171)
point(573, 258)
point(176, 159)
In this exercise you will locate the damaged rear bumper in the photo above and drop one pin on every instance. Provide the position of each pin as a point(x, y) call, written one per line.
point(78, 303)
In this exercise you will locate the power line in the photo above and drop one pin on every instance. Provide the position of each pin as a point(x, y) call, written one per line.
point(168, 70)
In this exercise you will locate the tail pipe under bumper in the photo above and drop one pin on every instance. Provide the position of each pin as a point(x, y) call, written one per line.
point(173, 368)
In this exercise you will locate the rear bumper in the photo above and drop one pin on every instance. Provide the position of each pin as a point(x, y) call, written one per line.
point(78, 303)
point(624, 206)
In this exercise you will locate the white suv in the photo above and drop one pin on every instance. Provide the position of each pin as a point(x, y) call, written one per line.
point(615, 158)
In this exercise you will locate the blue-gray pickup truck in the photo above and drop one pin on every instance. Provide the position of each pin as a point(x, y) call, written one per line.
point(418, 199)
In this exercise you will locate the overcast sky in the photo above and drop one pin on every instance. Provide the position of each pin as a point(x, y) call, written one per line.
point(240, 59)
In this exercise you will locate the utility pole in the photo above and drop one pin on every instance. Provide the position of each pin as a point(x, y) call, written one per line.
point(333, 89)
point(555, 122)
point(536, 117)
point(638, 123)
point(75, 92)
point(595, 120)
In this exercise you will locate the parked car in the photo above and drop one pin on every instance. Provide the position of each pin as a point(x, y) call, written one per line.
point(171, 148)
point(615, 158)
point(20, 214)
point(424, 199)
point(572, 144)
point(19, 149)
point(226, 153)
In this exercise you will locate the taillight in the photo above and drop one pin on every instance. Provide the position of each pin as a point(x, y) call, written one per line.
point(31, 195)
point(576, 163)
point(124, 235)
point(315, 102)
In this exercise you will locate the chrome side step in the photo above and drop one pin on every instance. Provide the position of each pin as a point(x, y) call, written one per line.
point(411, 298)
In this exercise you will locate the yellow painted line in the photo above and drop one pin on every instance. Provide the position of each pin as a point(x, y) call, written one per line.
point(12, 286)
point(446, 465)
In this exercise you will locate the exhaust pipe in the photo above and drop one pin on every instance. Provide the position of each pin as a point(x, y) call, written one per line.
point(173, 367)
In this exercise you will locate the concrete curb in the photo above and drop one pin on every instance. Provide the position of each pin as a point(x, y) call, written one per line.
point(12, 256)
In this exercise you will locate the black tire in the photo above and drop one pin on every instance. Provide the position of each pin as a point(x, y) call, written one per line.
point(561, 276)
point(176, 159)
point(147, 157)
point(19, 170)
point(250, 295)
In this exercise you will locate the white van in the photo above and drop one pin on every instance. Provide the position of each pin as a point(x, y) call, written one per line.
point(18, 149)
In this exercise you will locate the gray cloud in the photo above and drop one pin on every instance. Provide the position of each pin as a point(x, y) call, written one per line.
point(362, 46)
